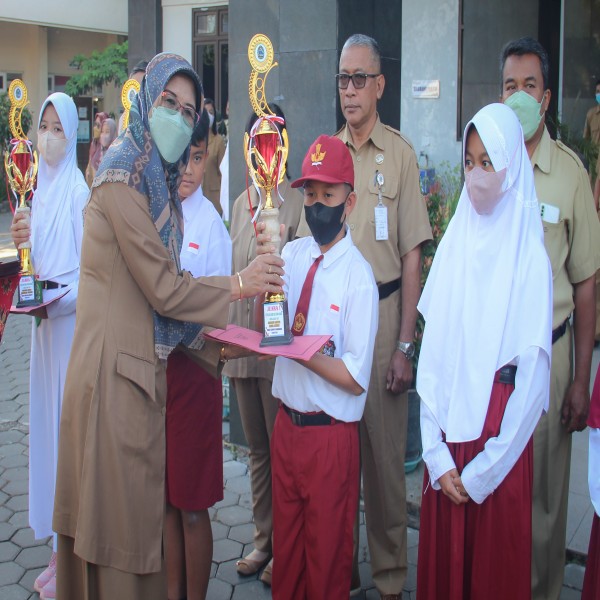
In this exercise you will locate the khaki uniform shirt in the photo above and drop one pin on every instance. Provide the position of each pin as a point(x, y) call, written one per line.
point(211, 184)
point(573, 244)
point(388, 152)
point(244, 250)
point(592, 125)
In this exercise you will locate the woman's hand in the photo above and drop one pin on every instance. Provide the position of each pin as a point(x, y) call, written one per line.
point(20, 228)
point(262, 275)
point(452, 486)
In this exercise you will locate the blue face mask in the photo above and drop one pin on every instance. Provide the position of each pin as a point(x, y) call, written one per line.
point(170, 132)
point(598, 98)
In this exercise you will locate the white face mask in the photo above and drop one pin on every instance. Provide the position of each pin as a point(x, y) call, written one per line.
point(484, 189)
point(52, 148)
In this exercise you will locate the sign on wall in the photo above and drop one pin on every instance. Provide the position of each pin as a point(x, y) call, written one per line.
point(426, 88)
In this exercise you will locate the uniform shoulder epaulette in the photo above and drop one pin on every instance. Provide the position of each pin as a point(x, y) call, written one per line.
point(562, 146)
point(399, 134)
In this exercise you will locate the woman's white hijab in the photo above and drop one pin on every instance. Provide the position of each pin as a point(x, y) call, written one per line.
point(489, 293)
point(54, 250)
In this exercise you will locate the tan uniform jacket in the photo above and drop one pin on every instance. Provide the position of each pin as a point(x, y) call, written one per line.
point(111, 465)
point(573, 244)
point(244, 250)
point(211, 184)
point(391, 154)
point(592, 124)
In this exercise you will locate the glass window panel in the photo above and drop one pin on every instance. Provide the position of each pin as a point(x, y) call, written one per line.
point(206, 24)
point(224, 28)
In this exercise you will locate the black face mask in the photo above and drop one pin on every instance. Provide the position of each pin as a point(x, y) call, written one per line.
point(324, 221)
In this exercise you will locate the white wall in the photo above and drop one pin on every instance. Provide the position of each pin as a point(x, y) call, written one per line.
point(177, 24)
point(109, 16)
point(430, 51)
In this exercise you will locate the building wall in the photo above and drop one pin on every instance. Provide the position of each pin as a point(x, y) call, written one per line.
point(177, 24)
point(106, 16)
point(430, 51)
point(49, 51)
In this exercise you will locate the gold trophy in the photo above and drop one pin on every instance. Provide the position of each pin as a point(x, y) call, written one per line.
point(130, 88)
point(21, 165)
point(265, 151)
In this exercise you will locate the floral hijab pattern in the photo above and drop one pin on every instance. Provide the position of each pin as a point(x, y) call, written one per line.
point(133, 159)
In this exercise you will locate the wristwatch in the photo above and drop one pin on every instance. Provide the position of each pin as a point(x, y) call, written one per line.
point(407, 348)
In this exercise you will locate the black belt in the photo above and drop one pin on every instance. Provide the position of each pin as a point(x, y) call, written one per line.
point(52, 285)
point(559, 332)
point(304, 419)
point(386, 289)
point(506, 374)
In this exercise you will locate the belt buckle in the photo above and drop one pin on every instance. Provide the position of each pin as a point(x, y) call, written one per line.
point(296, 418)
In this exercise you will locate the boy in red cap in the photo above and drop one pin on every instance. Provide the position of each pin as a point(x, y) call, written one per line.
point(314, 449)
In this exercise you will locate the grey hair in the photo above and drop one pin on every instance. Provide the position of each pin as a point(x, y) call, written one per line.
point(526, 45)
point(360, 39)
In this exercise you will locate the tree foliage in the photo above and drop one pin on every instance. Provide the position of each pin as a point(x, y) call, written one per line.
point(97, 69)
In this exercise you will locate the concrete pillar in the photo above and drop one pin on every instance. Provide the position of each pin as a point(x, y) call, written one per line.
point(35, 73)
point(145, 30)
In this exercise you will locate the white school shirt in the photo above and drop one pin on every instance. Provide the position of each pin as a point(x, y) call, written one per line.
point(206, 248)
point(488, 469)
point(344, 303)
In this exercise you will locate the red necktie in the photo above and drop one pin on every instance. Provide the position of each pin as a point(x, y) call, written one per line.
point(304, 301)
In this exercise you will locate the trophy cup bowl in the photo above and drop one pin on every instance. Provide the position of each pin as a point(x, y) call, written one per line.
point(266, 153)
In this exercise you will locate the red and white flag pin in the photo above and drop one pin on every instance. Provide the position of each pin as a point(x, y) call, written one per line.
point(334, 307)
point(193, 247)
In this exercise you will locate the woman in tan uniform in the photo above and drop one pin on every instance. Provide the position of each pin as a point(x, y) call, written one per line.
point(252, 378)
point(134, 307)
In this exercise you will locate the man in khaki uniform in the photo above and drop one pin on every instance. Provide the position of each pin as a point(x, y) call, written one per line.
point(572, 239)
point(388, 225)
point(591, 129)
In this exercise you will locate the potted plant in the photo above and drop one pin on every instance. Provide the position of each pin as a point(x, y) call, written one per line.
point(441, 200)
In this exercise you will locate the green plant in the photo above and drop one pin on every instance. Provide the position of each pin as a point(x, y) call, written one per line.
point(585, 148)
point(441, 202)
point(97, 69)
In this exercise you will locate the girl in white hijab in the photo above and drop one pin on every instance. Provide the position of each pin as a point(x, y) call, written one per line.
point(484, 373)
point(56, 233)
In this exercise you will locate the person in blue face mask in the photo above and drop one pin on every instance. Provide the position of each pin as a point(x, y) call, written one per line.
point(591, 130)
point(135, 306)
point(572, 240)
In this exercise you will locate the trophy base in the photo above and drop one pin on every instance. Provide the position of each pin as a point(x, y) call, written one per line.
point(276, 328)
point(280, 340)
point(29, 292)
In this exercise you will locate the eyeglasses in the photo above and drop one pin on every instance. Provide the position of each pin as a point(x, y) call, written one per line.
point(169, 100)
point(359, 80)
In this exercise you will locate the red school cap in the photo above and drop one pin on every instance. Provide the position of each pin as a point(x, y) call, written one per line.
point(327, 160)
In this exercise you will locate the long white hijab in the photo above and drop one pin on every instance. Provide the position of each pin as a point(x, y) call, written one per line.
point(489, 293)
point(54, 248)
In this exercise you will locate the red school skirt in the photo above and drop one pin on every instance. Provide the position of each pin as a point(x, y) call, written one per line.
point(194, 435)
point(479, 551)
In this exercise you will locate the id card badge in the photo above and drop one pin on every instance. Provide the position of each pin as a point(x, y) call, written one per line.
point(381, 222)
point(381, 216)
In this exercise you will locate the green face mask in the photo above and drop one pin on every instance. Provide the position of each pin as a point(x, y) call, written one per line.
point(527, 109)
point(170, 132)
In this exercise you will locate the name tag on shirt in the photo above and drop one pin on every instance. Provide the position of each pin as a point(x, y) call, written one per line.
point(381, 222)
point(193, 247)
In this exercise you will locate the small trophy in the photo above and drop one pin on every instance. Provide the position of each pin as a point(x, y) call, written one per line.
point(21, 165)
point(130, 88)
point(265, 151)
